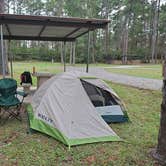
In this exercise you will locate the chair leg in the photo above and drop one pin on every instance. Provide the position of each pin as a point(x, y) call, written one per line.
point(12, 113)
point(3, 120)
point(15, 115)
point(1, 112)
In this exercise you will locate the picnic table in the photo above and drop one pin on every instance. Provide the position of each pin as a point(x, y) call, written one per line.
point(42, 77)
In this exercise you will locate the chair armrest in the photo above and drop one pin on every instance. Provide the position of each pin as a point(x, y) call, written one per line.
point(21, 93)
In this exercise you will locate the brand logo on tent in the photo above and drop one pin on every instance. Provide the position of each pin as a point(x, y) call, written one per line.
point(45, 118)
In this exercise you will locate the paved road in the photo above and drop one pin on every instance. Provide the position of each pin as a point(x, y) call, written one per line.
point(139, 82)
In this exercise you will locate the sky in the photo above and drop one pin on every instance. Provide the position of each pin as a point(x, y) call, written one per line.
point(161, 1)
point(113, 12)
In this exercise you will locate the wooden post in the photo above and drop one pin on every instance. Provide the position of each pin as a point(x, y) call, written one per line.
point(160, 152)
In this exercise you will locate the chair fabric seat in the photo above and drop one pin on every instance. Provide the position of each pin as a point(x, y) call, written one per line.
point(8, 87)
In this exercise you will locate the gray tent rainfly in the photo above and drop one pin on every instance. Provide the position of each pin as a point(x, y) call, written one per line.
point(63, 109)
point(46, 28)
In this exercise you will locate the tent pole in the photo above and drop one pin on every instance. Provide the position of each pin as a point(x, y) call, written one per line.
point(11, 59)
point(64, 56)
point(87, 65)
point(2, 53)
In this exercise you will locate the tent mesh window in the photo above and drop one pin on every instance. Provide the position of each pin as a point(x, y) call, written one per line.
point(98, 96)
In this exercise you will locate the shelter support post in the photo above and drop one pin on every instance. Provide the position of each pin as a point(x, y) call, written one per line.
point(2, 52)
point(11, 59)
point(87, 65)
point(64, 56)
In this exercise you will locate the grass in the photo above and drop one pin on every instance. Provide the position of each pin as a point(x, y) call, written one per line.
point(147, 71)
point(140, 135)
point(20, 67)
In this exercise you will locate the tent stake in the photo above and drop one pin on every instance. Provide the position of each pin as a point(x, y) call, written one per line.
point(2, 53)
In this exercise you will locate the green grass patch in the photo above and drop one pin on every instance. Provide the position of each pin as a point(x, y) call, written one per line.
point(147, 71)
point(54, 68)
point(140, 135)
point(20, 67)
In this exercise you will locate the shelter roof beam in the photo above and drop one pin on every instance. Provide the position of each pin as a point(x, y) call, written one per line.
point(38, 38)
point(8, 29)
point(43, 28)
point(52, 23)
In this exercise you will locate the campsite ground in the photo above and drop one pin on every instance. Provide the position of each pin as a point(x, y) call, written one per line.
point(140, 135)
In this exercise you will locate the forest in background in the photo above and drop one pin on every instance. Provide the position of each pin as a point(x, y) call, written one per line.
point(137, 29)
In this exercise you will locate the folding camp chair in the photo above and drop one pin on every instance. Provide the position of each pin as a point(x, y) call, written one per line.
point(10, 104)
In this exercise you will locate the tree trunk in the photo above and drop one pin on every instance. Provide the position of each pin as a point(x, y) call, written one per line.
point(160, 152)
point(125, 42)
point(145, 27)
point(106, 6)
point(154, 32)
point(2, 6)
point(126, 33)
point(157, 29)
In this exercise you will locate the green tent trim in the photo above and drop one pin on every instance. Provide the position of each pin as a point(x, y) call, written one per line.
point(94, 139)
point(87, 77)
point(41, 126)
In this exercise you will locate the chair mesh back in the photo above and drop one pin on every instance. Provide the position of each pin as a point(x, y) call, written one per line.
point(8, 87)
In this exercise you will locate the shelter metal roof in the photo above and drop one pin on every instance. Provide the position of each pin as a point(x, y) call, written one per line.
point(44, 28)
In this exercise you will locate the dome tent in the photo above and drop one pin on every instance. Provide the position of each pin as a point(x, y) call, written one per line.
point(62, 109)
